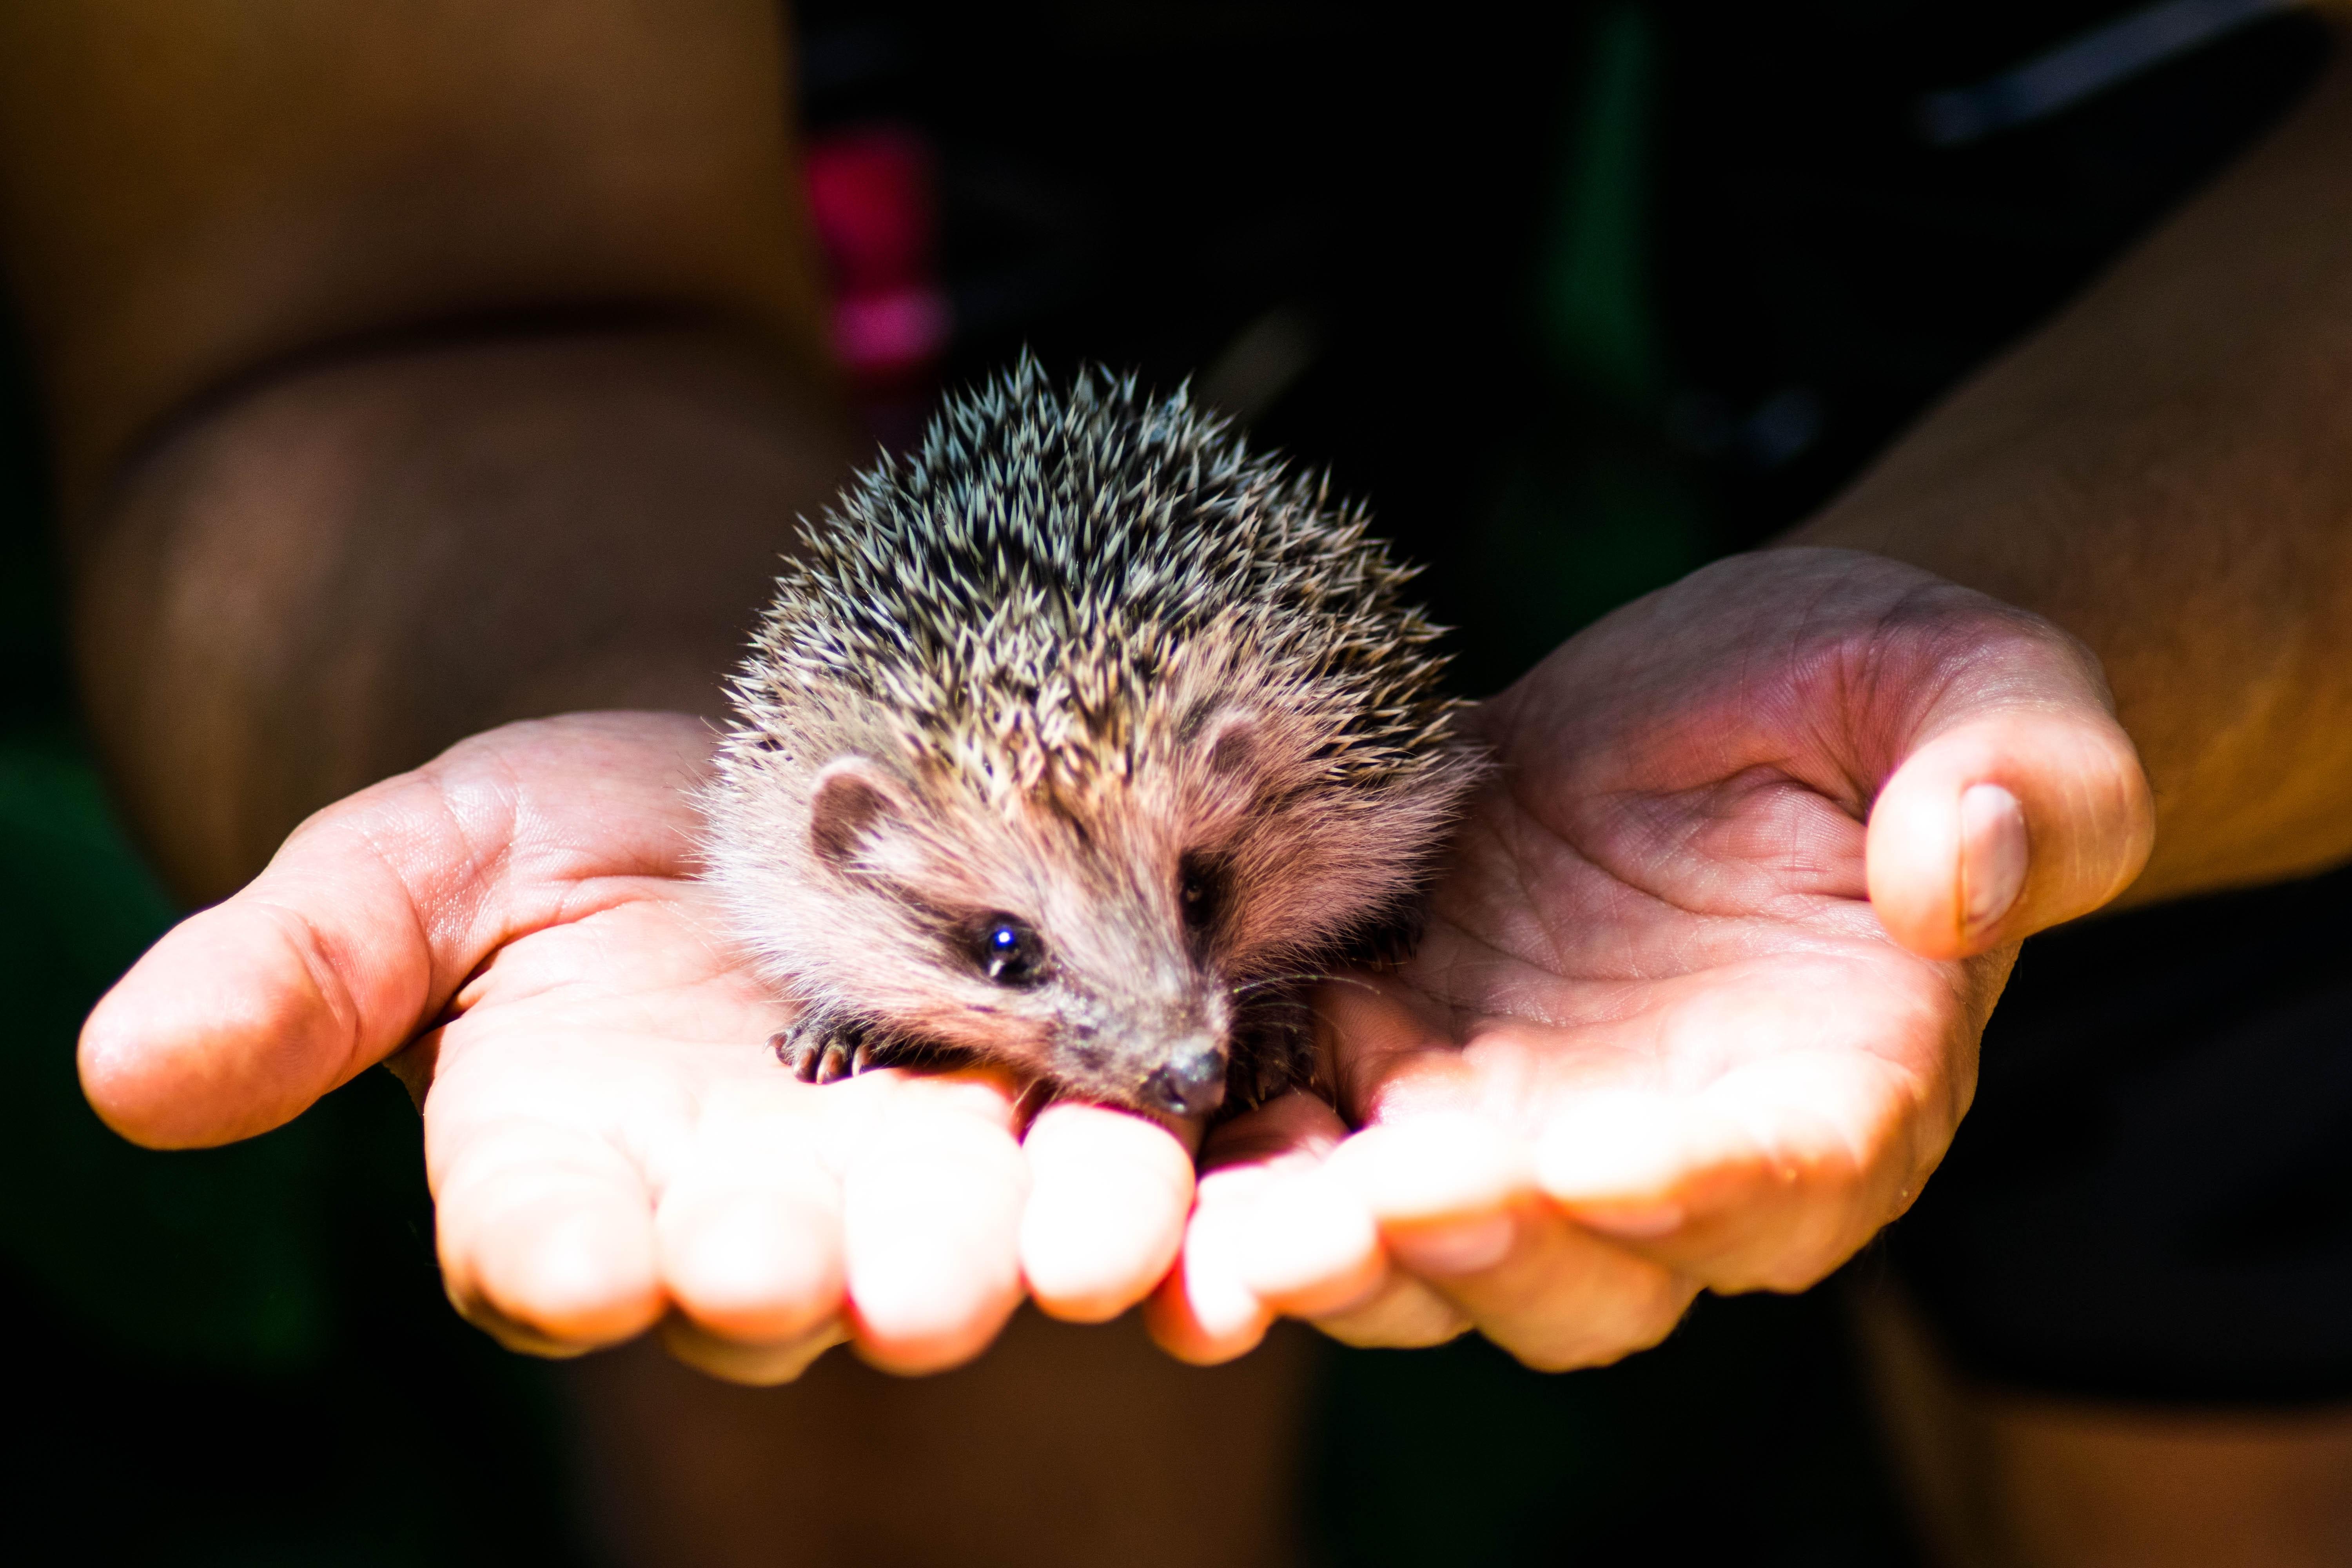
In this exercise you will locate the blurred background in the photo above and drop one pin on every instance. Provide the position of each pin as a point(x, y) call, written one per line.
point(1576, 300)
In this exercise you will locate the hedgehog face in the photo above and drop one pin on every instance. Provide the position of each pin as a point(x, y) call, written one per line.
point(1117, 934)
point(1084, 952)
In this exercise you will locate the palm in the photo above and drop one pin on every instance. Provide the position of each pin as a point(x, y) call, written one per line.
point(1705, 944)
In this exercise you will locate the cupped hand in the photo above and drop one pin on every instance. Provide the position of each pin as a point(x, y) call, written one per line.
point(611, 1142)
point(1699, 1001)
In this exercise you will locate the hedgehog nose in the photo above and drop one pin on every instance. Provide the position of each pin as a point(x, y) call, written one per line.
point(1192, 1082)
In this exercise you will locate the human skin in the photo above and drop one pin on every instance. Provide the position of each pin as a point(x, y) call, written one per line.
point(1599, 1087)
point(1659, 1036)
point(301, 565)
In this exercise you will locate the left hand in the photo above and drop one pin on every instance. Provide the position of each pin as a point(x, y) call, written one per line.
point(611, 1145)
point(1699, 1001)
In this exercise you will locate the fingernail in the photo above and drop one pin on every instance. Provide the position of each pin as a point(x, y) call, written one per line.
point(1993, 856)
point(1454, 1249)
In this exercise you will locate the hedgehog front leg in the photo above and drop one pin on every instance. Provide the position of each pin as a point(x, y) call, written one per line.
point(823, 1046)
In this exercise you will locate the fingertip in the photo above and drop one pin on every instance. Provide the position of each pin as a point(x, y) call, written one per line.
point(1108, 1194)
point(1307, 1245)
point(2005, 827)
point(1405, 1314)
point(548, 1232)
point(1202, 1312)
point(757, 1267)
point(932, 1214)
point(573, 1272)
point(753, 1365)
point(1441, 1187)
point(1912, 862)
point(1173, 1315)
point(219, 1032)
point(1642, 1168)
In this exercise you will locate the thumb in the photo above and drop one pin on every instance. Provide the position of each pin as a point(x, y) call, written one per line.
point(372, 915)
point(243, 1015)
point(2013, 814)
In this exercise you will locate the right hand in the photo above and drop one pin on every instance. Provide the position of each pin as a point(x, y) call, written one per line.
point(516, 929)
point(1699, 1001)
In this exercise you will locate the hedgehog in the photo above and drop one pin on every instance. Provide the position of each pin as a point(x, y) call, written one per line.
point(1081, 740)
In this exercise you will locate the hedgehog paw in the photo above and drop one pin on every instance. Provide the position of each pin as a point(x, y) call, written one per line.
point(875, 1051)
point(818, 1048)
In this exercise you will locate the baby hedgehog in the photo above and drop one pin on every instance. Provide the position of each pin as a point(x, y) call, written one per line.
point(1080, 742)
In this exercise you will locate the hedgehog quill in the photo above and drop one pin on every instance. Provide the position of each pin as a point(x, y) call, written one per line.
point(1081, 740)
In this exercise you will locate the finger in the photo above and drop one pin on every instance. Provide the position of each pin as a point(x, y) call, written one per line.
point(1202, 1314)
point(1772, 1179)
point(1847, 1087)
point(753, 1365)
point(371, 914)
point(931, 1216)
point(1205, 1310)
point(1560, 1298)
point(1108, 1194)
point(242, 1016)
point(1441, 1185)
point(1310, 1249)
point(2007, 822)
point(546, 1239)
point(1769, 1178)
point(749, 1233)
point(1403, 1314)
point(1235, 1276)
point(1304, 1245)
point(1453, 1199)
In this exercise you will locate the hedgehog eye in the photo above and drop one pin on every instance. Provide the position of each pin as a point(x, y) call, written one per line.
point(1008, 952)
point(1200, 891)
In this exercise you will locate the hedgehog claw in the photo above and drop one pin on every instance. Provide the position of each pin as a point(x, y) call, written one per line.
point(821, 1050)
point(833, 1061)
point(791, 1049)
point(816, 1049)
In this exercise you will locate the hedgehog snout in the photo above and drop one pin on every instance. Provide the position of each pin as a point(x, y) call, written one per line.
point(1191, 1081)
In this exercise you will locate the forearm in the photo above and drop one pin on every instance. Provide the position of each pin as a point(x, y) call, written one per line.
point(2166, 471)
point(346, 567)
point(408, 369)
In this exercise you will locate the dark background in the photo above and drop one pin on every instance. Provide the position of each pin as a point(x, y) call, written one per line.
point(1577, 301)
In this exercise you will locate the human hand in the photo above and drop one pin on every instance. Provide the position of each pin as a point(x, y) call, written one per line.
point(610, 1142)
point(1699, 999)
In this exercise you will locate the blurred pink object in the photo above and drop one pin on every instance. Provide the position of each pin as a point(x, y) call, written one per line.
point(873, 196)
point(885, 335)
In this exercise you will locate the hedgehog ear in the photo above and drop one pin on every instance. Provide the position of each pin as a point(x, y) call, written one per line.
point(853, 801)
point(1230, 742)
